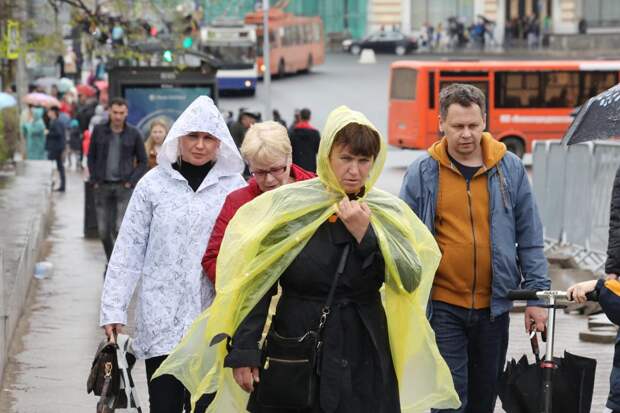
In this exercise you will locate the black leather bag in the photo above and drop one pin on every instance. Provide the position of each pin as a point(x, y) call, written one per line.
point(289, 375)
point(104, 377)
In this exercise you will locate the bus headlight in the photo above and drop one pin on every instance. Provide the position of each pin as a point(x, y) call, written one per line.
point(262, 68)
point(247, 83)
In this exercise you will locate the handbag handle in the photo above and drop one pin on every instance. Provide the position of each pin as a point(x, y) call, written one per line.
point(332, 291)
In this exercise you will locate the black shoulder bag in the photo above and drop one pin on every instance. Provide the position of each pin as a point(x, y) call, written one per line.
point(291, 365)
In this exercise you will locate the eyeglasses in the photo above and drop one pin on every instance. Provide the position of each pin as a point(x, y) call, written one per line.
point(275, 172)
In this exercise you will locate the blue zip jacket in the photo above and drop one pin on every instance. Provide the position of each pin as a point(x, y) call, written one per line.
point(518, 260)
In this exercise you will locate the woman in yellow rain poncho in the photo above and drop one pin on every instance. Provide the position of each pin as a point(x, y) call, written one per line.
point(379, 354)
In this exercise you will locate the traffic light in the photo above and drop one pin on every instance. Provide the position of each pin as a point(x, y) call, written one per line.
point(167, 56)
point(188, 42)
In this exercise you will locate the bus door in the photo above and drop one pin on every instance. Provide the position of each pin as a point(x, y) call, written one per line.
point(482, 84)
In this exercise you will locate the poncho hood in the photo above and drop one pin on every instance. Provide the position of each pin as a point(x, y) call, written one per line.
point(202, 116)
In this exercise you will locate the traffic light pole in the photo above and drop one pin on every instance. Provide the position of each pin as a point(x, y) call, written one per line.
point(266, 61)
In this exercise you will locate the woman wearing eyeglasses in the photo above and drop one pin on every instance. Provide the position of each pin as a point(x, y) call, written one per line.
point(267, 150)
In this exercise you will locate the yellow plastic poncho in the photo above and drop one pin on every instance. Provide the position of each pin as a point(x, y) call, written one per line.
point(263, 238)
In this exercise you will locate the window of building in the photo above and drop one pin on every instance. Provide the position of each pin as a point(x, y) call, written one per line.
point(517, 89)
point(602, 13)
point(404, 84)
point(439, 11)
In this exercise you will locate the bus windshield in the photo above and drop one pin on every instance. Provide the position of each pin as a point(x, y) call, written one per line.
point(233, 55)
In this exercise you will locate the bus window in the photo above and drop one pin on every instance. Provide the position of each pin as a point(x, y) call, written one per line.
point(517, 89)
point(431, 90)
point(560, 89)
point(404, 84)
point(259, 42)
point(593, 83)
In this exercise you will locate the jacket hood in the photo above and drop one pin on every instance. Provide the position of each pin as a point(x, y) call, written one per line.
point(492, 151)
point(338, 119)
point(202, 116)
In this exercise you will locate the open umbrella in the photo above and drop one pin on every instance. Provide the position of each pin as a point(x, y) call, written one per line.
point(64, 85)
point(6, 100)
point(40, 99)
point(598, 118)
point(86, 90)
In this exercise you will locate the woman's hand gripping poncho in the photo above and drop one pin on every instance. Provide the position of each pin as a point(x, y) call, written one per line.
point(263, 238)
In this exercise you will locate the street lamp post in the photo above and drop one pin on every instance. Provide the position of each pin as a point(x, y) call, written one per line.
point(266, 60)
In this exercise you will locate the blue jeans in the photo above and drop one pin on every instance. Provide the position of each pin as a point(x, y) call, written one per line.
point(474, 347)
point(613, 400)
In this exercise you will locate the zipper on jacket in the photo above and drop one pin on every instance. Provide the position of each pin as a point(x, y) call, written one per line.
point(473, 232)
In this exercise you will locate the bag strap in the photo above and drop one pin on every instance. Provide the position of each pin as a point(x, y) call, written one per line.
point(332, 291)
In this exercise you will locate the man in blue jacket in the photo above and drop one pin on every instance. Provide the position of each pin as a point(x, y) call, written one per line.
point(476, 199)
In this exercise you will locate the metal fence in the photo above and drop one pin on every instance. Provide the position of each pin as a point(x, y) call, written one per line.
point(573, 187)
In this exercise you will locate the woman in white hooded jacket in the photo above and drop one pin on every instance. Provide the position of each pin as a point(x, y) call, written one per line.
point(164, 233)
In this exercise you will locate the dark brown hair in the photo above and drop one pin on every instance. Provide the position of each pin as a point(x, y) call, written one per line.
point(461, 94)
point(117, 101)
point(360, 139)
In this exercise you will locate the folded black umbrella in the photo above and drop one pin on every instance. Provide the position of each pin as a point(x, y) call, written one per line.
point(598, 118)
point(521, 385)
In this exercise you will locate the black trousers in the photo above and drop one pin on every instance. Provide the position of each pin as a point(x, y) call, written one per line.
point(167, 394)
point(111, 200)
point(61, 169)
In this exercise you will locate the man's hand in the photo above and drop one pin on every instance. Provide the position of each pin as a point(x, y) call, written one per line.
point(245, 377)
point(127, 185)
point(578, 291)
point(111, 330)
point(355, 216)
point(535, 315)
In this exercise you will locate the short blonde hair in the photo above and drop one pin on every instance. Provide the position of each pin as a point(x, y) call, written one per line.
point(266, 142)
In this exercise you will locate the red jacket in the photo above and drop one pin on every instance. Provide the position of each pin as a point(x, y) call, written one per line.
point(233, 202)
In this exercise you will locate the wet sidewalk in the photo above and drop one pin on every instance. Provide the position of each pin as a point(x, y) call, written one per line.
point(58, 334)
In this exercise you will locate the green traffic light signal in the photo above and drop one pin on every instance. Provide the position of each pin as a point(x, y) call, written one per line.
point(167, 56)
point(187, 42)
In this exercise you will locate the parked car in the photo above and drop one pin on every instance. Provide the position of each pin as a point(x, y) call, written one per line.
point(382, 42)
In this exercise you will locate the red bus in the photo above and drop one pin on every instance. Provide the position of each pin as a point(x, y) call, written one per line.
point(297, 42)
point(526, 100)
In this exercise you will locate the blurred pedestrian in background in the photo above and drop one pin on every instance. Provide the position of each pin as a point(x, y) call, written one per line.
point(157, 133)
point(165, 232)
point(116, 162)
point(246, 119)
point(75, 145)
point(305, 141)
point(55, 143)
point(33, 128)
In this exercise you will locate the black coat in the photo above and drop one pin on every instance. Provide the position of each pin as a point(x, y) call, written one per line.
point(55, 140)
point(357, 373)
point(305, 143)
point(612, 266)
point(133, 154)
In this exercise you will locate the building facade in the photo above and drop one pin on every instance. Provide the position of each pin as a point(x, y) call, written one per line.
point(565, 16)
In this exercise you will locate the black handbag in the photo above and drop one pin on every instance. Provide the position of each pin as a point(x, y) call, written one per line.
point(289, 375)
